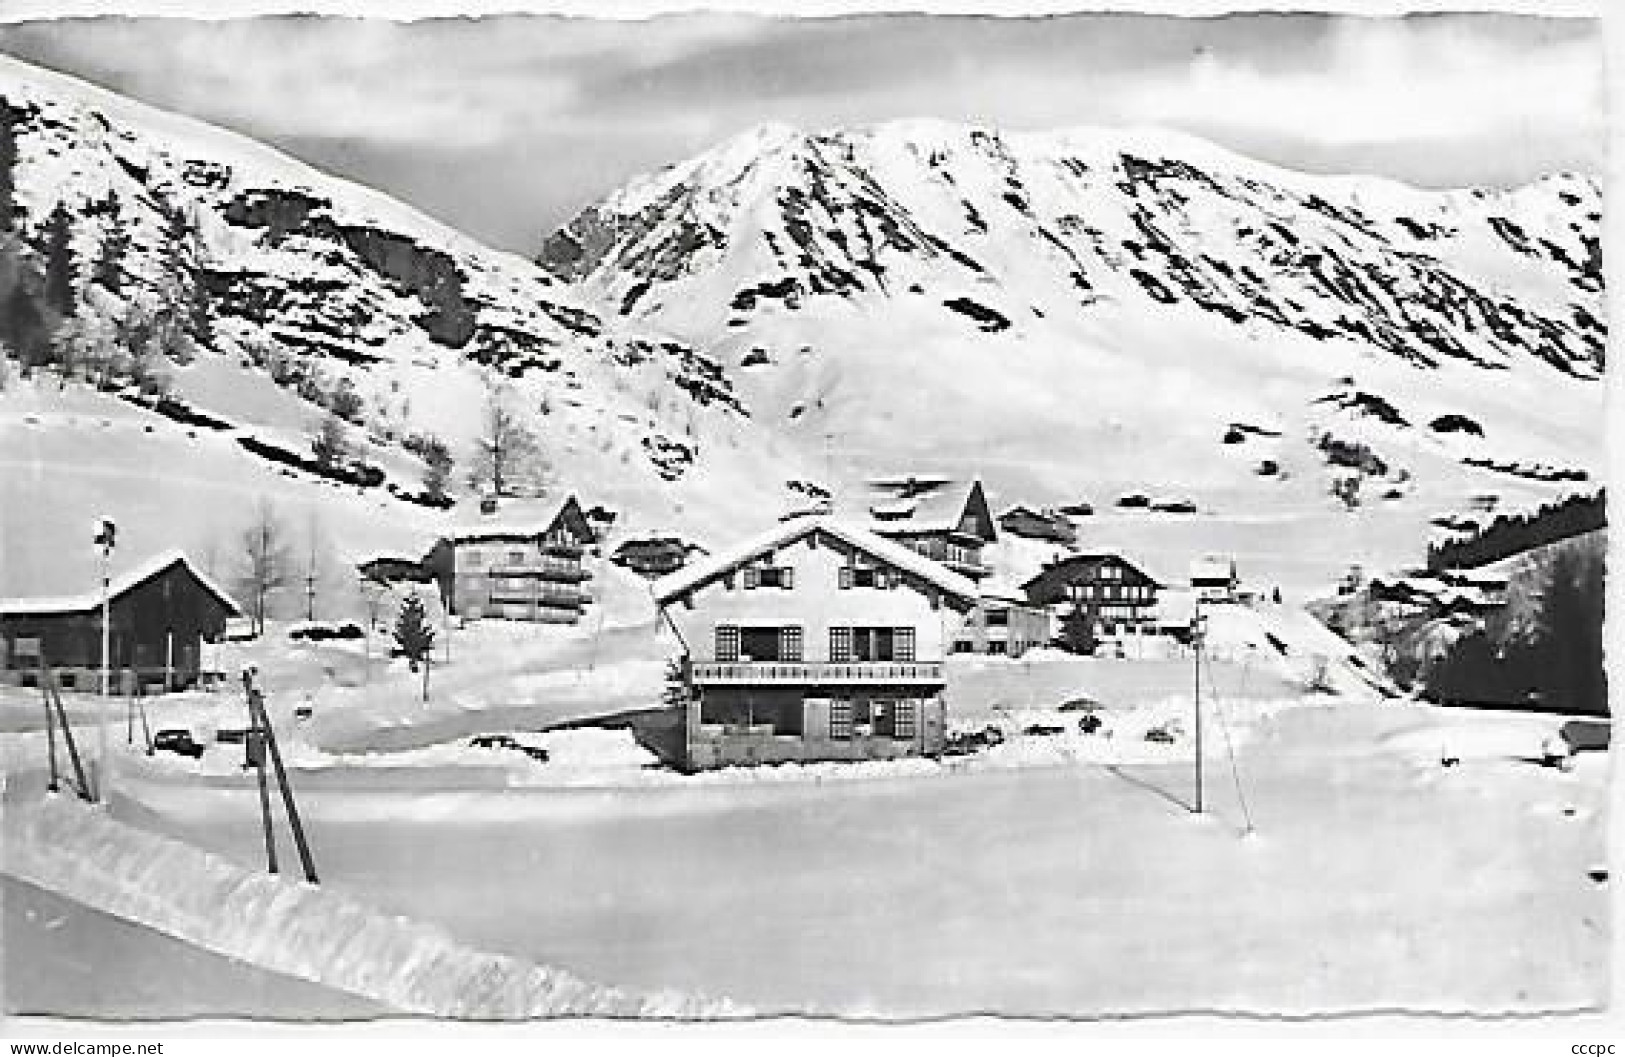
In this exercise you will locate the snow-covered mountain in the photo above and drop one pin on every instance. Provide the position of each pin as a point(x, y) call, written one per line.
point(315, 283)
point(1080, 315)
point(1091, 313)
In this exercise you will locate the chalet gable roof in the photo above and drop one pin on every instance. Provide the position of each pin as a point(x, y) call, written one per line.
point(929, 504)
point(497, 528)
point(1084, 561)
point(728, 559)
point(120, 584)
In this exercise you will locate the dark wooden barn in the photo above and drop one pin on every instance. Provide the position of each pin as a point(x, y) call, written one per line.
point(160, 613)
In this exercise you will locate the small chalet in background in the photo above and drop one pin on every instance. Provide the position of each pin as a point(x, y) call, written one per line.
point(817, 640)
point(1003, 624)
point(1045, 525)
point(1122, 596)
point(1214, 579)
point(160, 614)
point(944, 520)
point(655, 556)
point(516, 569)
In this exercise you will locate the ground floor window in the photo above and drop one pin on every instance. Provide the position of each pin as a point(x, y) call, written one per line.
point(840, 720)
point(879, 717)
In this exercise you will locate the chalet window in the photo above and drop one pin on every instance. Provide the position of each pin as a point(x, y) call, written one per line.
point(860, 576)
point(840, 720)
point(727, 645)
point(773, 576)
point(751, 577)
point(770, 643)
point(516, 557)
point(998, 618)
point(840, 645)
point(874, 644)
point(843, 577)
point(903, 720)
point(473, 558)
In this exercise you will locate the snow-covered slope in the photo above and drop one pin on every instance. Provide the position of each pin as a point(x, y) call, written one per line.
point(1087, 313)
point(321, 283)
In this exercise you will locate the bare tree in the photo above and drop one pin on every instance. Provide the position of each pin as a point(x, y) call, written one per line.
point(268, 563)
point(507, 456)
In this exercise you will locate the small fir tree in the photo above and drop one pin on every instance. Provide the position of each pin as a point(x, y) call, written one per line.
point(1078, 631)
point(414, 636)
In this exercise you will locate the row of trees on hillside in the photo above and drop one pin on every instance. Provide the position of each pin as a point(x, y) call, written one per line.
point(1511, 534)
point(1556, 664)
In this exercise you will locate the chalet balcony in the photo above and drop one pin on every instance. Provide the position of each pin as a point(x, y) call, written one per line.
point(562, 548)
point(545, 569)
point(808, 673)
point(547, 596)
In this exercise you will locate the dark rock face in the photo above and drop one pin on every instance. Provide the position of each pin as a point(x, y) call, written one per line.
point(428, 274)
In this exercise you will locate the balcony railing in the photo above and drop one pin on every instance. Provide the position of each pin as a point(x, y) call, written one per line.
point(545, 568)
point(806, 672)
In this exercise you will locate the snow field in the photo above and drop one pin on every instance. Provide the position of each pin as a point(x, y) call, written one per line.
point(301, 930)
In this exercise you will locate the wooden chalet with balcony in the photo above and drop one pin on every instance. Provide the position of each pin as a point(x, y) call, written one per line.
point(944, 520)
point(160, 612)
point(1122, 596)
point(817, 640)
point(516, 570)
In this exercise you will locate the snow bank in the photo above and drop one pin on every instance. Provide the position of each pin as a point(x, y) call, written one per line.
point(298, 929)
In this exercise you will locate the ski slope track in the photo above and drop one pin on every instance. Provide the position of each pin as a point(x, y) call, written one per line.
point(299, 929)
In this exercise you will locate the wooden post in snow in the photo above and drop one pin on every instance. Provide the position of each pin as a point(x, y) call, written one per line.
point(1197, 635)
point(256, 756)
point(262, 720)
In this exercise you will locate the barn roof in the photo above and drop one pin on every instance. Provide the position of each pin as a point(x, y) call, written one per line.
point(727, 559)
point(119, 584)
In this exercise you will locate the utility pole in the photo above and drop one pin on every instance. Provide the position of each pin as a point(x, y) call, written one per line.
point(1198, 631)
point(260, 724)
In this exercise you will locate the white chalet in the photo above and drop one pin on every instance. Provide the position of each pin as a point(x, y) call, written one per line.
point(817, 640)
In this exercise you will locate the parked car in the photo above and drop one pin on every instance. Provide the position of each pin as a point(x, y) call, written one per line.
point(1043, 730)
point(177, 741)
point(493, 741)
point(973, 741)
point(1160, 735)
point(1079, 704)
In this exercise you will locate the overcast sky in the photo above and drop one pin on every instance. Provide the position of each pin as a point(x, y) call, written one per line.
point(504, 126)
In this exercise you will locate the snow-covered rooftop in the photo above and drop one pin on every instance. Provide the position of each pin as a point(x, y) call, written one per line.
point(524, 524)
point(729, 558)
point(118, 585)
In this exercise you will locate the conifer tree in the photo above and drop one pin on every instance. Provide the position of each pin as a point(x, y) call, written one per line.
point(59, 263)
point(414, 636)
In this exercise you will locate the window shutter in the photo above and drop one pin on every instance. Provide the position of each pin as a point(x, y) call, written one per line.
point(844, 577)
point(727, 643)
point(790, 644)
point(840, 645)
point(787, 578)
point(751, 578)
point(903, 643)
point(728, 581)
